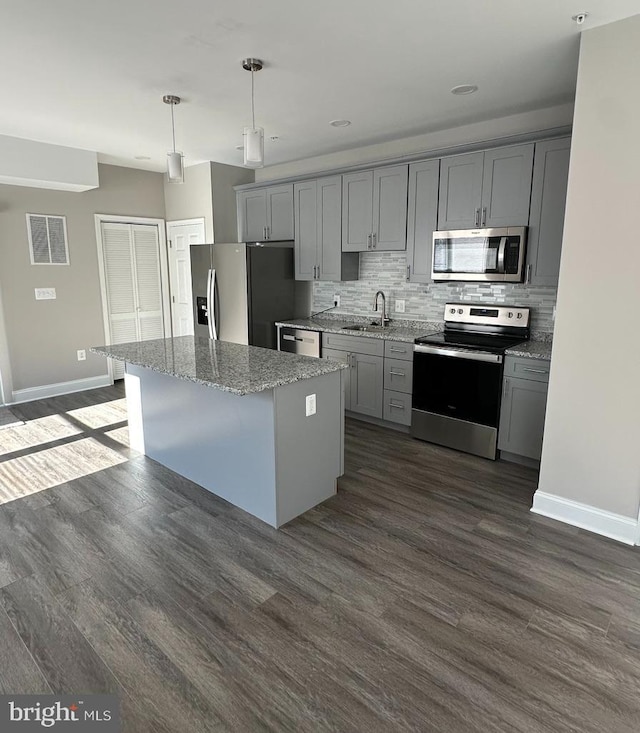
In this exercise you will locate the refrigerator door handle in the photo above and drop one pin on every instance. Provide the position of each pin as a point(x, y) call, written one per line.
point(211, 305)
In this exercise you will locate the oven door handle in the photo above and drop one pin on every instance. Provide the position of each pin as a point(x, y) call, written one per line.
point(501, 251)
point(458, 353)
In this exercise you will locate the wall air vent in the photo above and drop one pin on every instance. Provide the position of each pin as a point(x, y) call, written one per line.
point(47, 239)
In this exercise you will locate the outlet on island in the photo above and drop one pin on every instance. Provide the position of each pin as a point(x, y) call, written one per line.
point(82, 355)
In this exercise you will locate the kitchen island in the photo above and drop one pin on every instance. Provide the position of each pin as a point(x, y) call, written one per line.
point(262, 429)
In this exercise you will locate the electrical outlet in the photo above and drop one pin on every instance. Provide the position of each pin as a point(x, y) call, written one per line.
point(82, 355)
point(399, 306)
point(336, 301)
point(45, 293)
point(311, 405)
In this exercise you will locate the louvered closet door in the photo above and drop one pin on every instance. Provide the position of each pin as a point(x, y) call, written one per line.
point(148, 286)
point(134, 292)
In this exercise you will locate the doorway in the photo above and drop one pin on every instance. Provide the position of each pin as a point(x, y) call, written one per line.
point(180, 236)
point(134, 283)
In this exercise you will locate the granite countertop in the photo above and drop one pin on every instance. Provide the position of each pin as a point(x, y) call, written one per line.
point(532, 350)
point(229, 367)
point(407, 331)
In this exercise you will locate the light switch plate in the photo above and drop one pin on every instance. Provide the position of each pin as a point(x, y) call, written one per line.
point(45, 293)
point(311, 404)
point(399, 306)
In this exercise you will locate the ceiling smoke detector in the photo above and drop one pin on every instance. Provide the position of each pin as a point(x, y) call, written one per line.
point(462, 89)
point(580, 18)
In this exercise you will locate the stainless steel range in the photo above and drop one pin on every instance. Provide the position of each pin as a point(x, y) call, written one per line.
point(457, 376)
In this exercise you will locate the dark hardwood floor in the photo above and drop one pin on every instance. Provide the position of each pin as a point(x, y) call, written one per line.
point(423, 597)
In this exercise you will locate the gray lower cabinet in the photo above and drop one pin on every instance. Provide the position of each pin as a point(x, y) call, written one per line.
point(265, 213)
point(366, 384)
point(317, 208)
point(486, 189)
point(342, 357)
point(397, 407)
point(546, 220)
point(422, 219)
point(374, 209)
point(524, 402)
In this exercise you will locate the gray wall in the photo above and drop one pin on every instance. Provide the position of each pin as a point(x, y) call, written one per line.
point(191, 199)
point(223, 179)
point(592, 434)
point(43, 336)
point(386, 271)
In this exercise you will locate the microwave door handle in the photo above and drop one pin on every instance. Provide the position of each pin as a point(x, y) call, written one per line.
point(501, 252)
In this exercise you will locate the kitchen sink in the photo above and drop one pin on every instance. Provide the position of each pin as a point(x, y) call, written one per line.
point(371, 327)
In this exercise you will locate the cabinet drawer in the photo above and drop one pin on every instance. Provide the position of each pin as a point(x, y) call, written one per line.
point(356, 344)
point(525, 368)
point(398, 375)
point(398, 350)
point(397, 407)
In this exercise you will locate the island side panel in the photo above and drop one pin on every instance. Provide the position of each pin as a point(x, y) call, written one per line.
point(221, 441)
point(309, 449)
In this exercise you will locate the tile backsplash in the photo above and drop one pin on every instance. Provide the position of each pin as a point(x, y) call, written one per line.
point(386, 271)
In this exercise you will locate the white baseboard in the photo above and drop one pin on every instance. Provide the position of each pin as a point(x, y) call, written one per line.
point(614, 526)
point(55, 390)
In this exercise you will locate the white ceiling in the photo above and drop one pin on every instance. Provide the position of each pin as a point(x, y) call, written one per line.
point(92, 74)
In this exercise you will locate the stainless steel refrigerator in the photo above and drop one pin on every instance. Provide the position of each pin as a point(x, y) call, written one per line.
point(241, 289)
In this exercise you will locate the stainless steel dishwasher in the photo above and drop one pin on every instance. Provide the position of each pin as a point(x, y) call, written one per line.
point(299, 341)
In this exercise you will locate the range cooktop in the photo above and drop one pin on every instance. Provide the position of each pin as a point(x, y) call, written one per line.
point(494, 343)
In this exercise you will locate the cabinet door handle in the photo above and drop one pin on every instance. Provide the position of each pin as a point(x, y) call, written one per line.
point(368, 241)
point(535, 371)
point(318, 272)
point(374, 237)
point(484, 216)
point(506, 388)
point(396, 374)
point(397, 407)
point(527, 279)
point(478, 216)
point(397, 351)
point(408, 272)
point(268, 232)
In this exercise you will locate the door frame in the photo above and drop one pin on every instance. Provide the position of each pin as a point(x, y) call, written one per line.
point(6, 381)
point(164, 271)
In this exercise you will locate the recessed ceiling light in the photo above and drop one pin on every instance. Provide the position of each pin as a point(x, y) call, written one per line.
point(273, 138)
point(464, 89)
point(340, 123)
point(239, 147)
point(142, 157)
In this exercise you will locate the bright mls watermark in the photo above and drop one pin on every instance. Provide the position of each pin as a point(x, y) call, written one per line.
point(27, 713)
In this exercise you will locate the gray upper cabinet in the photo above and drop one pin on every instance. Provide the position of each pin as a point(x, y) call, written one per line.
point(265, 213)
point(305, 210)
point(374, 209)
point(318, 232)
point(486, 189)
point(460, 191)
point(422, 217)
point(280, 212)
point(252, 215)
point(548, 198)
point(506, 186)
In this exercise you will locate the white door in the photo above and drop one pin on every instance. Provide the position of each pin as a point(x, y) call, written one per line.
point(133, 282)
point(180, 236)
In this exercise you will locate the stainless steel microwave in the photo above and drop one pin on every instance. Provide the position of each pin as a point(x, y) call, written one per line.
point(480, 255)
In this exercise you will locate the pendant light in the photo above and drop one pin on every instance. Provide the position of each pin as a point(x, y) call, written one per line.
point(175, 160)
point(253, 136)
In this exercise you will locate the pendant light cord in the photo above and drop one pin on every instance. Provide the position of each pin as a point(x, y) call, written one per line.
point(253, 113)
point(173, 128)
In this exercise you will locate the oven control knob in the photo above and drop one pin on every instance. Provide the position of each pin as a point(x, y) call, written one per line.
point(510, 314)
point(460, 311)
point(519, 315)
point(453, 310)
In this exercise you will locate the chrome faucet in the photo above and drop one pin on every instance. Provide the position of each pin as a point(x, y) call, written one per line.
point(383, 318)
